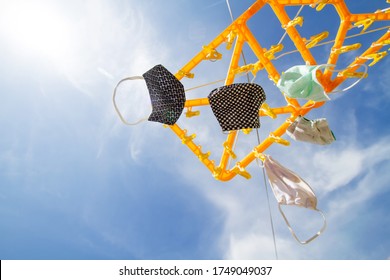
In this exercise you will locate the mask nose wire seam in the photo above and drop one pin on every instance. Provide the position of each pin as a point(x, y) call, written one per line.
point(115, 105)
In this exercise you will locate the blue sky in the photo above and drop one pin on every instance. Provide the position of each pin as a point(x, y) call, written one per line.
point(75, 183)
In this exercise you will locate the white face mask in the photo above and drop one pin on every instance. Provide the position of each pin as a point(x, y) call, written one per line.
point(290, 189)
point(312, 131)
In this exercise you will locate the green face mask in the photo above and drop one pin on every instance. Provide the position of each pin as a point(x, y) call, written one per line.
point(301, 82)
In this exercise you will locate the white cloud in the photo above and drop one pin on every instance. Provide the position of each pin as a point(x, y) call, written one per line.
point(334, 169)
point(373, 183)
point(252, 245)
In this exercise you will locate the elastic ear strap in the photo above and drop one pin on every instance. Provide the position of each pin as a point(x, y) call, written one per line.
point(355, 83)
point(116, 107)
point(293, 233)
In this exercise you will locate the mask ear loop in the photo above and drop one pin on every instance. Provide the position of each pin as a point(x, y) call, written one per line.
point(116, 107)
point(355, 83)
point(293, 232)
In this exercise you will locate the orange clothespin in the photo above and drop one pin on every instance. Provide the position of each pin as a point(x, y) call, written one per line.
point(239, 170)
point(246, 130)
point(314, 40)
point(359, 75)
point(257, 67)
point(293, 22)
point(319, 5)
point(258, 155)
point(375, 57)
point(345, 49)
point(212, 54)
point(381, 43)
point(186, 74)
point(266, 109)
point(229, 150)
point(202, 156)
point(185, 139)
point(279, 140)
point(190, 113)
point(366, 23)
point(244, 69)
point(230, 39)
point(270, 54)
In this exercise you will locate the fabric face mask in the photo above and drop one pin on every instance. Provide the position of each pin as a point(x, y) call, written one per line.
point(312, 131)
point(237, 106)
point(301, 82)
point(166, 95)
point(290, 189)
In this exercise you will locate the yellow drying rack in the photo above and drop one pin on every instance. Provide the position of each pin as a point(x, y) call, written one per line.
point(238, 33)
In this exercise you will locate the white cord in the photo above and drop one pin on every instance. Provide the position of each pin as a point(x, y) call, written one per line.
point(268, 202)
point(355, 83)
point(242, 52)
point(116, 107)
point(285, 32)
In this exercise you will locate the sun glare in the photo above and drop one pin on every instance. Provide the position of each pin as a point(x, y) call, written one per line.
point(36, 28)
